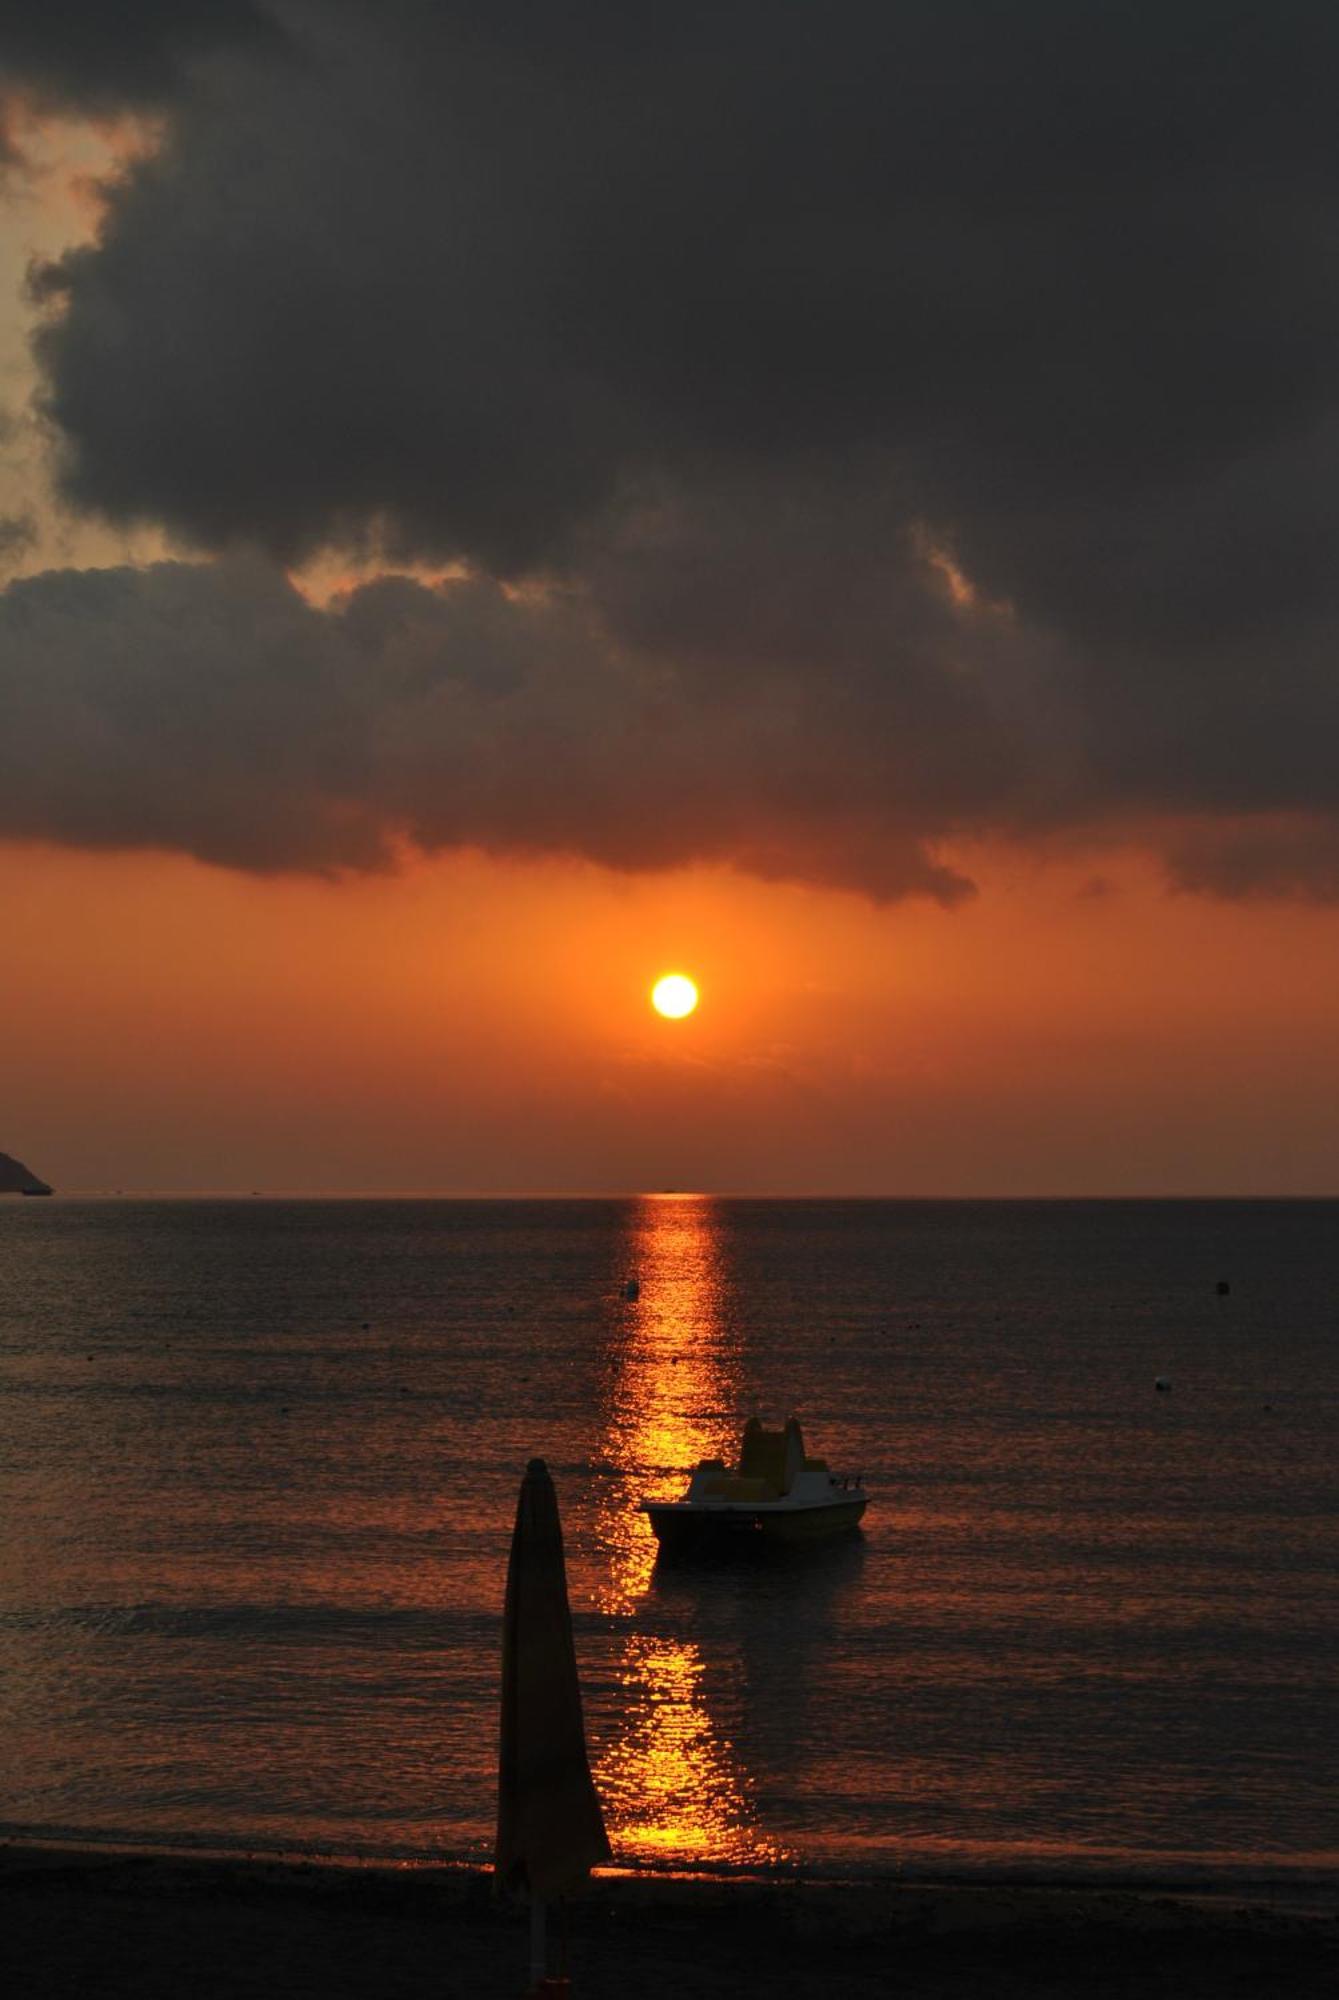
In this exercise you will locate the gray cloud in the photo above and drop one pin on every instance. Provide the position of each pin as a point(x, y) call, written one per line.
point(184, 708)
point(86, 52)
point(209, 708)
point(714, 322)
point(1293, 858)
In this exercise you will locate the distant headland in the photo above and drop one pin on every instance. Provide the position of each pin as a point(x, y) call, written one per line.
point(15, 1178)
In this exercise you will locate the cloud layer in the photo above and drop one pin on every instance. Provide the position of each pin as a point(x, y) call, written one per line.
point(210, 708)
point(85, 53)
point(900, 423)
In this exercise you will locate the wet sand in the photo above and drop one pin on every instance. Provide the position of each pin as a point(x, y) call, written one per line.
point(167, 1928)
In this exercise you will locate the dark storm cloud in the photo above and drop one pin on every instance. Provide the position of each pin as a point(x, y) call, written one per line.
point(177, 707)
point(209, 708)
point(134, 52)
point(743, 326)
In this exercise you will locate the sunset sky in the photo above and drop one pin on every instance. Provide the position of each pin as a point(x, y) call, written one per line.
point(500, 503)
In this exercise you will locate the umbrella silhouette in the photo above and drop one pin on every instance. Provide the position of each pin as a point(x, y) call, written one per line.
point(550, 1831)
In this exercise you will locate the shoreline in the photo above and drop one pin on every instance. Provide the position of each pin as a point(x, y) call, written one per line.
point(1313, 1886)
point(105, 1921)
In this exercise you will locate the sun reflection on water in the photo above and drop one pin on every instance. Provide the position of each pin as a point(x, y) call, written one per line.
point(673, 1391)
point(672, 1781)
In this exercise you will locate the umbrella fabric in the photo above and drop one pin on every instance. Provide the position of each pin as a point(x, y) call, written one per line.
point(550, 1832)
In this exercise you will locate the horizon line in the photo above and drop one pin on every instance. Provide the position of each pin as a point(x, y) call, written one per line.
point(282, 1193)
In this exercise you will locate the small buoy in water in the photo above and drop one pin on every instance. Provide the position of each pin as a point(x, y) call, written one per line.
point(1163, 1384)
point(633, 1289)
point(1222, 1288)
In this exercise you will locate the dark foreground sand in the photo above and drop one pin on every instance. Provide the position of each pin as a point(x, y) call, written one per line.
point(80, 1923)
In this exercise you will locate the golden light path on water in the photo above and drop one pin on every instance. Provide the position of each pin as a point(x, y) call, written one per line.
point(672, 1782)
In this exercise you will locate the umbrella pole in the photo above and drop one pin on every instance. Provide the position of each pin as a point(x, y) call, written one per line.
point(538, 1951)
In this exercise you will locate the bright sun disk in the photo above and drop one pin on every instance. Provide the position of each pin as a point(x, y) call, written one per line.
point(674, 996)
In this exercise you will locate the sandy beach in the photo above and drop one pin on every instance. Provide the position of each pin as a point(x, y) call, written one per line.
point(163, 1928)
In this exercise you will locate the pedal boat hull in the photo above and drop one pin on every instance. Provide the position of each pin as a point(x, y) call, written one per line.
point(680, 1526)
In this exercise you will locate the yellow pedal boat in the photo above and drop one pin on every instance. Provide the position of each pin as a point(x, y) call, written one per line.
point(777, 1493)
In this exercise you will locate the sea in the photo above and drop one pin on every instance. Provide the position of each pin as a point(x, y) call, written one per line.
point(259, 1463)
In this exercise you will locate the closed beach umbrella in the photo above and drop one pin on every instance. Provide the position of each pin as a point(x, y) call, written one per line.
point(550, 1831)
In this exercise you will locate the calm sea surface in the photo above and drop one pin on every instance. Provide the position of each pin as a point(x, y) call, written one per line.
point(259, 1464)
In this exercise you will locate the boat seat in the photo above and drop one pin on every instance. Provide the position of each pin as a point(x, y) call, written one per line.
point(737, 1486)
point(775, 1456)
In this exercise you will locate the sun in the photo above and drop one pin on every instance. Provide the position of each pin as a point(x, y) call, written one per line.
point(674, 996)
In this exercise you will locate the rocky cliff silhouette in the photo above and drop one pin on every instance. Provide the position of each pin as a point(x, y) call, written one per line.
point(15, 1178)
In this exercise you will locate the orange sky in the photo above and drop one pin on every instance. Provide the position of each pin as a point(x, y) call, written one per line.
point(476, 1026)
point(472, 1025)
